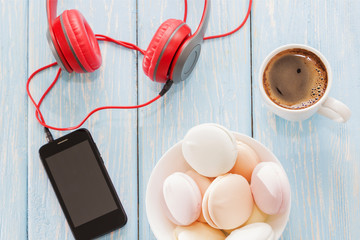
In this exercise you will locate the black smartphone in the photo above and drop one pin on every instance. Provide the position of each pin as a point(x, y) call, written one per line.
point(82, 185)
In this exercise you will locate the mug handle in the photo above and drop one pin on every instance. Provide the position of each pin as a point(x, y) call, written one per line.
point(335, 110)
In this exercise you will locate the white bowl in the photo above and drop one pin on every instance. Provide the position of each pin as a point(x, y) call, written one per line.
point(173, 161)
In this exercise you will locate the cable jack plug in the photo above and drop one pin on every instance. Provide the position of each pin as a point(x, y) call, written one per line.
point(166, 87)
point(49, 136)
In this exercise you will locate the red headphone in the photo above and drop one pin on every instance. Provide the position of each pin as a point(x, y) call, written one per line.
point(72, 41)
point(170, 57)
point(172, 53)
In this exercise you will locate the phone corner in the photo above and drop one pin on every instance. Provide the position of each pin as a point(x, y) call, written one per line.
point(41, 150)
point(125, 220)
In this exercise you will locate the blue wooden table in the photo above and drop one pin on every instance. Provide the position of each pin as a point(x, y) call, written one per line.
point(321, 158)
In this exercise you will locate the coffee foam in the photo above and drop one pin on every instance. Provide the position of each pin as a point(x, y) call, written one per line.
point(295, 79)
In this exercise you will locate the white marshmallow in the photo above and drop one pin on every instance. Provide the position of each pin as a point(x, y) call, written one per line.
point(198, 231)
point(255, 231)
point(210, 149)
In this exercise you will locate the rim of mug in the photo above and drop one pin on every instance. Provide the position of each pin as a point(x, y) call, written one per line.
point(293, 46)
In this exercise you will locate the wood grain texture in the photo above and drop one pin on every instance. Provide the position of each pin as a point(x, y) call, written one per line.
point(321, 157)
point(219, 90)
point(74, 96)
point(13, 119)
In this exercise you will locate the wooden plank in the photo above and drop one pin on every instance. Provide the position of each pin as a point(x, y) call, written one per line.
point(219, 90)
point(13, 124)
point(74, 96)
point(321, 157)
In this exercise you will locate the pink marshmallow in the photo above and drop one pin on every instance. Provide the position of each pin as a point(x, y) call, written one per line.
point(270, 188)
point(183, 199)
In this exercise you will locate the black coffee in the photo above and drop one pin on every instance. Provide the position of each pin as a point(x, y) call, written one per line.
point(295, 79)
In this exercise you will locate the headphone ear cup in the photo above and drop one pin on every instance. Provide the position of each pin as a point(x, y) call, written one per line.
point(162, 49)
point(77, 41)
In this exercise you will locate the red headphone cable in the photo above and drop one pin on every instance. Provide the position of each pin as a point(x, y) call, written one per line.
point(39, 115)
point(185, 11)
point(228, 33)
point(132, 46)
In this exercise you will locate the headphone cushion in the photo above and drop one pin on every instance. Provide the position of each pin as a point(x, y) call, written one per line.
point(157, 44)
point(82, 40)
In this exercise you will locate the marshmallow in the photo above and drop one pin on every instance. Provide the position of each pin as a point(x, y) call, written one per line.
point(198, 231)
point(205, 208)
point(183, 199)
point(246, 161)
point(255, 231)
point(270, 188)
point(210, 149)
point(203, 183)
point(228, 202)
point(256, 216)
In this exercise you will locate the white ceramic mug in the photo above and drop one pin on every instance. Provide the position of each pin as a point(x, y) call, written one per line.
point(326, 106)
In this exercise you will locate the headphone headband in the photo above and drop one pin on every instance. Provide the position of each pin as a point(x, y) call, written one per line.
point(189, 53)
point(200, 31)
point(51, 9)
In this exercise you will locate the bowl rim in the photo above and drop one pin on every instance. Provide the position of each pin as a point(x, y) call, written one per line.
point(238, 137)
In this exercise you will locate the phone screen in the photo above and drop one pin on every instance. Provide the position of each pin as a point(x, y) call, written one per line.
point(81, 183)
